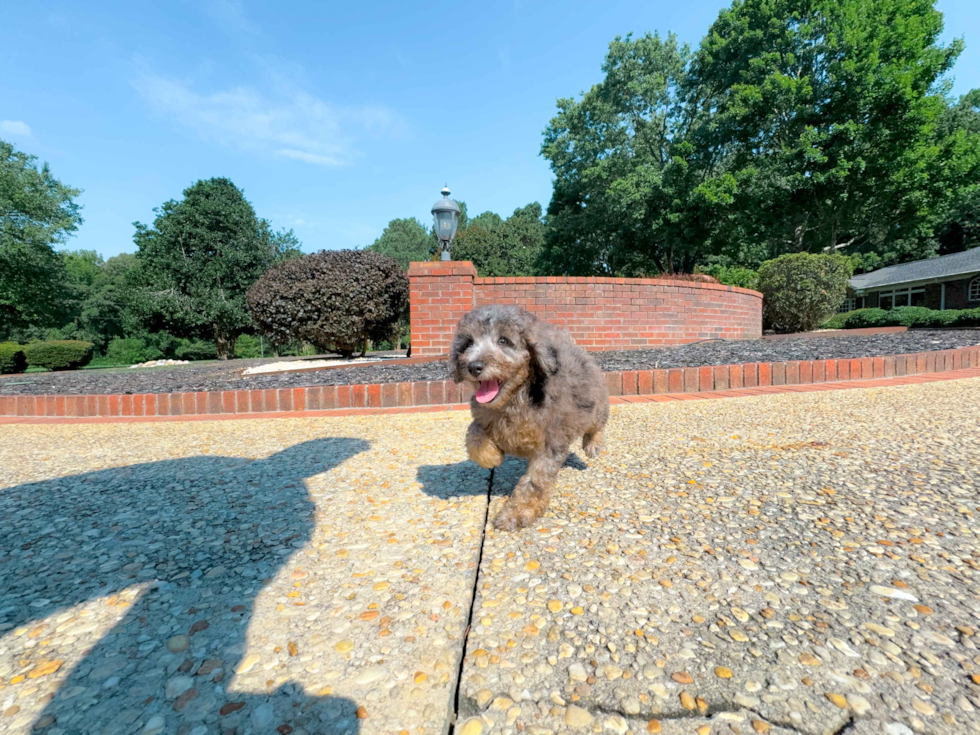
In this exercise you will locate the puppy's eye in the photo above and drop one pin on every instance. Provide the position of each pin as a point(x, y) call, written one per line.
point(504, 342)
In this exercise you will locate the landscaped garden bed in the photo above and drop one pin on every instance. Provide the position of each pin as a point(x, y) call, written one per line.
point(227, 376)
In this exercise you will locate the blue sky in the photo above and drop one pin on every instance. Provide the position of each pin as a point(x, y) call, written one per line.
point(333, 117)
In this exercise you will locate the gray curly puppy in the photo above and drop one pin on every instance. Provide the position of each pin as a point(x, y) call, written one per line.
point(535, 394)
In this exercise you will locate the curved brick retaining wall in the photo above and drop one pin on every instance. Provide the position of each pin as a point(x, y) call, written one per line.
point(600, 313)
point(443, 392)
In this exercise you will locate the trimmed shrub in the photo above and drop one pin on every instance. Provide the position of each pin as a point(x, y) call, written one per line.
point(196, 349)
point(62, 354)
point(12, 358)
point(837, 321)
point(801, 290)
point(863, 318)
point(734, 276)
point(695, 277)
point(904, 316)
point(335, 300)
point(129, 351)
point(247, 347)
point(163, 342)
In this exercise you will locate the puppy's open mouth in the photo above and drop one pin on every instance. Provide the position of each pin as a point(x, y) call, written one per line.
point(488, 390)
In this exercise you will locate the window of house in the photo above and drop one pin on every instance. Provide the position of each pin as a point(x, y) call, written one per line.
point(848, 305)
point(973, 291)
point(901, 297)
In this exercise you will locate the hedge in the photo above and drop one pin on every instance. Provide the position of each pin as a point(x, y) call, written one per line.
point(12, 358)
point(66, 354)
point(130, 351)
point(247, 346)
point(904, 316)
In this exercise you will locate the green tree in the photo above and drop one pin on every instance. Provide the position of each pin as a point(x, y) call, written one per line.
point(960, 129)
point(200, 257)
point(629, 194)
point(797, 126)
point(37, 212)
point(101, 295)
point(825, 114)
point(500, 247)
point(403, 240)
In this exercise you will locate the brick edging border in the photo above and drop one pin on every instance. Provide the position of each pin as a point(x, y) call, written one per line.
point(445, 392)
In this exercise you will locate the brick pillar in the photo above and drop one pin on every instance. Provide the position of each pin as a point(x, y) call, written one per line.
point(440, 293)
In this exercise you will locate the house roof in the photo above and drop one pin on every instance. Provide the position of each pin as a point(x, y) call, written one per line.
point(947, 266)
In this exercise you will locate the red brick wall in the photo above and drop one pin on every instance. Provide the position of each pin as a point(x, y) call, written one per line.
point(440, 293)
point(600, 313)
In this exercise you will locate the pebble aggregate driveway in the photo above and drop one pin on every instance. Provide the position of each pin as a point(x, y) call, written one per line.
point(792, 563)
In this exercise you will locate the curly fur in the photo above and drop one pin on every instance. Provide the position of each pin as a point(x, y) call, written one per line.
point(551, 394)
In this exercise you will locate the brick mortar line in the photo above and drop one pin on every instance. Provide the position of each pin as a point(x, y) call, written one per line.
point(668, 381)
point(960, 374)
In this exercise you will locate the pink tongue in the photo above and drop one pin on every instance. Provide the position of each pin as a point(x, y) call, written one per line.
point(487, 391)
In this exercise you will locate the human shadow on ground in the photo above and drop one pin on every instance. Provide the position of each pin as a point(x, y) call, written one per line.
point(468, 478)
point(204, 535)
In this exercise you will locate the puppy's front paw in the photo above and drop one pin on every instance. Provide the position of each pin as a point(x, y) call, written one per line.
point(513, 517)
point(486, 454)
point(592, 444)
point(592, 450)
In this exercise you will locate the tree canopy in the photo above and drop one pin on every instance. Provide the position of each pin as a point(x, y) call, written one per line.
point(201, 256)
point(404, 240)
point(796, 126)
point(37, 212)
point(503, 247)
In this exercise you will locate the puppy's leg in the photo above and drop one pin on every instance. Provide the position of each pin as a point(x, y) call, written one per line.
point(532, 493)
point(481, 449)
point(592, 443)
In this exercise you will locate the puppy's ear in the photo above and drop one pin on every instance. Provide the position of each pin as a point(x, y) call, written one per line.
point(539, 338)
point(460, 344)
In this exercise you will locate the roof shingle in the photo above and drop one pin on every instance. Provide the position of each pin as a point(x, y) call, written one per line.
point(947, 266)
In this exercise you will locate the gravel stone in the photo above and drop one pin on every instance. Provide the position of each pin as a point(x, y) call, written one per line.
point(348, 550)
point(353, 530)
point(775, 523)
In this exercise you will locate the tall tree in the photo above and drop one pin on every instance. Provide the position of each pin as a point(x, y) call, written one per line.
point(403, 240)
point(500, 247)
point(37, 212)
point(101, 294)
point(630, 196)
point(825, 114)
point(960, 129)
point(798, 125)
point(201, 256)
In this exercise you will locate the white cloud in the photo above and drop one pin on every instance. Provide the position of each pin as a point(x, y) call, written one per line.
point(307, 157)
point(15, 127)
point(288, 122)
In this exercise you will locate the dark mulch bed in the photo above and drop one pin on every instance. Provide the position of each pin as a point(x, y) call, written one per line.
point(218, 376)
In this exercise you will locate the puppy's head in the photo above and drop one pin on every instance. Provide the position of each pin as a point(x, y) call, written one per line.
point(498, 349)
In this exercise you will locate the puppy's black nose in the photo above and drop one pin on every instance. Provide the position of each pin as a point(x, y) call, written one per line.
point(476, 368)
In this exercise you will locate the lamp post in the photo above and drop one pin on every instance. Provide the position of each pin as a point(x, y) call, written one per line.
point(446, 213)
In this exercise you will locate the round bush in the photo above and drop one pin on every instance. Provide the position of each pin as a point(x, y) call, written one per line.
point(129, 351)
point(802, 290)
point(196, 349)
point(334, 299)
point(59, 354)
point(12, 358)
point(247, 347)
